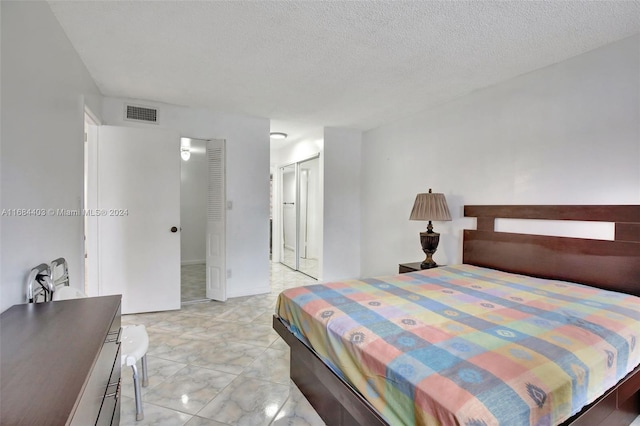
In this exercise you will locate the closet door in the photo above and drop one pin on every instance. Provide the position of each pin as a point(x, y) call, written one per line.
point(289, 215)
point(301, 216)
point(309, 216)
point(216, 222)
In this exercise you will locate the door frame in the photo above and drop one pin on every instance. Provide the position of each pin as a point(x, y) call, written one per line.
point(90, 201)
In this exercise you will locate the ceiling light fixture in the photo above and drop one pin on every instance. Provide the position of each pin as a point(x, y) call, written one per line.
point(278, 135)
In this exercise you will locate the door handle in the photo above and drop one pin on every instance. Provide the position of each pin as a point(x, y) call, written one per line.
point(174, 229)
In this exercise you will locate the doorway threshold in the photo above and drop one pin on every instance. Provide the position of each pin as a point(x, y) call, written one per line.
point(193, 302)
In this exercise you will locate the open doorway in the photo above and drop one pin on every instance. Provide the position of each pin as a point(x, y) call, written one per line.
point(193, 219)
point(203, 218)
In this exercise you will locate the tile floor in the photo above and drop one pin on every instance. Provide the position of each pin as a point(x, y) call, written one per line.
point(219, 364)
point(193, 282)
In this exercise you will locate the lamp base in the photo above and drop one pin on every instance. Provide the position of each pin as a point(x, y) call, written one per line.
point(429, 241)
point(428, 265)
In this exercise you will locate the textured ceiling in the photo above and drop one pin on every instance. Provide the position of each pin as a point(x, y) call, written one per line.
point(328, 63)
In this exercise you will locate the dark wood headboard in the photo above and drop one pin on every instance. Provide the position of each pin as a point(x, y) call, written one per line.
point(612, 265)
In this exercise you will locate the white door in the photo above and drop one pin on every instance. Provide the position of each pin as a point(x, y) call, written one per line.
point(139, 207)
point(216, 218)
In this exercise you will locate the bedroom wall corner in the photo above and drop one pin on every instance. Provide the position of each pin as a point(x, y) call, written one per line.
point(342, 183)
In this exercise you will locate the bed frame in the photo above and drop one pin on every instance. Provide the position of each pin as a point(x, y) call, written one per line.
point(612, 265)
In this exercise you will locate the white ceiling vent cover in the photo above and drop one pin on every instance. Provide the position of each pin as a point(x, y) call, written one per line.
point(140, 113)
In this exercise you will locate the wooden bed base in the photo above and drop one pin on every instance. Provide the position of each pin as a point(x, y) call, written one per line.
point(612, 265)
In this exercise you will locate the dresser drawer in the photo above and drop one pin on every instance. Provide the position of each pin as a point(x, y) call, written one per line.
point(111, 401)
point(102, 375)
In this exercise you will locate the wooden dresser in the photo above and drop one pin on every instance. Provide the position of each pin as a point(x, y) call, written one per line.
point(60, 363)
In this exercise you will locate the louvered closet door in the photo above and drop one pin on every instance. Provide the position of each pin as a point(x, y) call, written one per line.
point(216, 212)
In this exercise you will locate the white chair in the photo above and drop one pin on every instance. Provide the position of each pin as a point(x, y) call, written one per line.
point(66, 293)
point(135, 342)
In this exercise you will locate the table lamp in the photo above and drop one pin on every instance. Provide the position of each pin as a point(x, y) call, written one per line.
point(430, 206)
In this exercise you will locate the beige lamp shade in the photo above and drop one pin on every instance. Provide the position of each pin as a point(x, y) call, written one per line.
point(430, 206)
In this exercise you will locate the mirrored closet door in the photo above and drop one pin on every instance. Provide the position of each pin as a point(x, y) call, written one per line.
point(288, 253)
point(301, 216)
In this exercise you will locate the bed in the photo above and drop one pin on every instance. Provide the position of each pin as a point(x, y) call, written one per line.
point(540, 268)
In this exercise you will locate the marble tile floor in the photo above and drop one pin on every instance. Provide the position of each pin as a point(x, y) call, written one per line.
point(192, 282)
point(216, 364)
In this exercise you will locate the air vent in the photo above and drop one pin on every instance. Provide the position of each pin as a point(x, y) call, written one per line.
point(138, 113)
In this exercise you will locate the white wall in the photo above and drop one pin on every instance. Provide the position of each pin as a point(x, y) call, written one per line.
point(44, 88)
point(565, 134)
point(247, 152)
point(193, 204)
point(342, 185)
point(2, 305)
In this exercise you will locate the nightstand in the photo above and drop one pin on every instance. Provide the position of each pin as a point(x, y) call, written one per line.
point(411, 267)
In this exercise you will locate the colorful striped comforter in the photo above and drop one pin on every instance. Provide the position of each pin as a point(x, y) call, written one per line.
point(463, 345)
